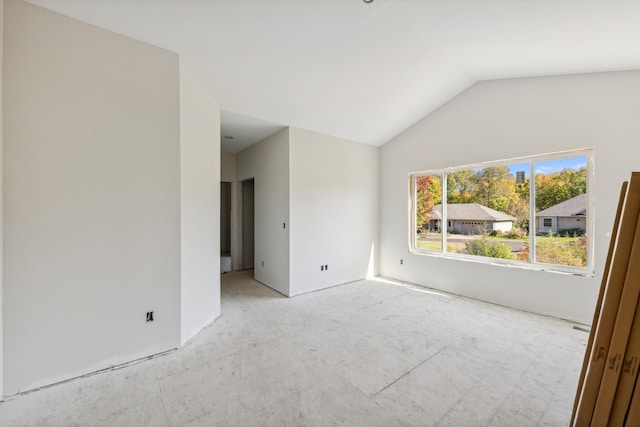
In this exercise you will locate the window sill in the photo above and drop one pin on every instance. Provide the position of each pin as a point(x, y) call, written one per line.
point(585, 272)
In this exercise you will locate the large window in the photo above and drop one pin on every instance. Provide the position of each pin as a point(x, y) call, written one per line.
point(496, 212)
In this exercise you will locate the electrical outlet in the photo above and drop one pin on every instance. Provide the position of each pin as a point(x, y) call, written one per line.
point(322, 268)
point(401, 261)
point(326, 267)
point(149, 316)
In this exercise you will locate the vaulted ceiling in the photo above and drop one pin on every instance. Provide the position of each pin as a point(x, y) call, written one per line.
point(359, 71)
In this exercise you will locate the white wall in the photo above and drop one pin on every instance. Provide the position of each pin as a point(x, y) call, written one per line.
point(268, 163)
point(1, 196)
point(334, 210)
point(91, 198)
point(510, 118)
point(199, 204)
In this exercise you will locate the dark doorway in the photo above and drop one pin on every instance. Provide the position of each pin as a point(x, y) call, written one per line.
point(248, 218)
point(225, 219)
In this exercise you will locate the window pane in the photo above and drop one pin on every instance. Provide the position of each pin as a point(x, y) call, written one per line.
point(561, 206)
point(428, 218)
point(488, 211)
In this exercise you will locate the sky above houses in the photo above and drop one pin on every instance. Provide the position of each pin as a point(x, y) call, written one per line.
point(553, 166)
point(549, 166)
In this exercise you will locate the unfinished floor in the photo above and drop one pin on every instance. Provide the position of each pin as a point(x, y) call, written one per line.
point(369, 353)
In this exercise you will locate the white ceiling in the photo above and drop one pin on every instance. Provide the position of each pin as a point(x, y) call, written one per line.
point(365, 72)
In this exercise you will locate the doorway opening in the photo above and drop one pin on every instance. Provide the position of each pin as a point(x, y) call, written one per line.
point(248, 223)
point(225, 227)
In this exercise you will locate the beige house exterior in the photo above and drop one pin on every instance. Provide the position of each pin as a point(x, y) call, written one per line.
point(568, 215)
point(470, 218)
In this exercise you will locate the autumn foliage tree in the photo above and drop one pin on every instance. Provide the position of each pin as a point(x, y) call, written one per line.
point(554, 188)
point(428, 194)
point(494, 187)
point(460, 186)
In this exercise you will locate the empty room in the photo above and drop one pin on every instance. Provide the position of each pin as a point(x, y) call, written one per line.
point(310, 213)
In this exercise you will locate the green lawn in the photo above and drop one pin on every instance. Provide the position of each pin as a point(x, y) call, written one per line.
point(436, 245)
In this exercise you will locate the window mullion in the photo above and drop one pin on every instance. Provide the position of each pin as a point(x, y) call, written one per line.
point(532, 213)
point(444, 225)
point(413, 211)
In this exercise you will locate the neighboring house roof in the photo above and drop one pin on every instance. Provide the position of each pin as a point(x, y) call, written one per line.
point(575, 206)
point(470, 212)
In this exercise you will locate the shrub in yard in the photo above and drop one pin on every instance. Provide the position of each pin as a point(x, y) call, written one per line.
point(489, 248)
point(571, 232)
point(516, 233)
point(562, 253)
point(582, 242)
point(522, 254)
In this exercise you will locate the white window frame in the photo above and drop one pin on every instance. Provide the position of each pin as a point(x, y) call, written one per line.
point(532, 264)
